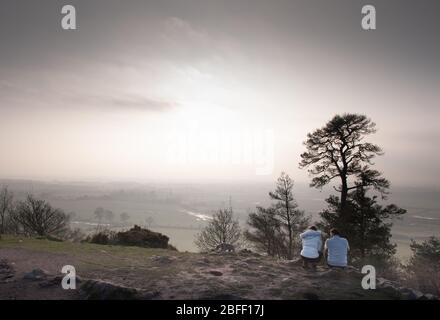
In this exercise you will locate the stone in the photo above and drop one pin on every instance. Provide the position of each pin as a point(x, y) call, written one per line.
point(429, 296)
point(36, 275)
point(162, 259)
point(293, 262)
point(310, 296)
point(101, 290)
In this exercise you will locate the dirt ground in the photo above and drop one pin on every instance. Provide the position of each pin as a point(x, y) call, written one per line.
point(165, 274)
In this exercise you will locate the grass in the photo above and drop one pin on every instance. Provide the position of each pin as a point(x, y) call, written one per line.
point(110, 256)
point(76, 248)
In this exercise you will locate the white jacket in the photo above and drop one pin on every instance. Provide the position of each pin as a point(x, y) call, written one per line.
point(312, 243)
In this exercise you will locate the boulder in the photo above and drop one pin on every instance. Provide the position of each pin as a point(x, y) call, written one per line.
point(310, 296)
point(411, 294)
point(36, 275)
point(101, 290)
point(162, 259)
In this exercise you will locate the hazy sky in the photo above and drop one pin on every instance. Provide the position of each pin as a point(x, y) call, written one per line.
point(189, 90)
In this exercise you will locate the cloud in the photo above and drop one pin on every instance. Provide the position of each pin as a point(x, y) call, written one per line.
point(141, 103)
point(124, 102)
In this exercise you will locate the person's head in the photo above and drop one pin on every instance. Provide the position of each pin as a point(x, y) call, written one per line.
point(313, 228)
point(334, 232)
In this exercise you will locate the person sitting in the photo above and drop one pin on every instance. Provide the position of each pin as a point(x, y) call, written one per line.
point(311, 247)
point(336, 250)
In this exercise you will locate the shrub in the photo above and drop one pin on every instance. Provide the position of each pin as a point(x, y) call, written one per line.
point(140, 237)
point(136, 236)
point(423, 269)
point(103, 237)
point(38, 217)
point(222, 229)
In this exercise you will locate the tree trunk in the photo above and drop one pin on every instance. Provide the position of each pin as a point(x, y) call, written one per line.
point(344, 194)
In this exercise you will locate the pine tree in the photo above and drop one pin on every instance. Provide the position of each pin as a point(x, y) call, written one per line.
point(367, 227)
point(291, 218)
point(266, 233)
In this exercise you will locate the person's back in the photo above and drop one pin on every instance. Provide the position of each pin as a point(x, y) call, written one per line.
point(311, 243)
point(311, 247)
point(337, 250)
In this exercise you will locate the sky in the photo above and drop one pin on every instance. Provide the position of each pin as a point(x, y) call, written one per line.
point(212, 89)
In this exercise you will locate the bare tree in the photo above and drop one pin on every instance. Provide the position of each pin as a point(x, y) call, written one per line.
point(6, 203)
point(38, 217)
point(222, 229)
point(99, 214)
point(149, 221)
point(124, 216)
point(109, 215)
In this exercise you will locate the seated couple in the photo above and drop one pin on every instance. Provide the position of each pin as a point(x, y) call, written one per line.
point(336, 248)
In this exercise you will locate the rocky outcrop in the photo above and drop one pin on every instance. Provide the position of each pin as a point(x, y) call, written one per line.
point(403, 293)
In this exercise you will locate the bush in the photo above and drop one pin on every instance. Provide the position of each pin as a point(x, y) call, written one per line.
point(423, 269)
point(38, 217)
point(73, 235)
point(136, 236)
point(222, 229)
point(140, 237)
point(103, 237)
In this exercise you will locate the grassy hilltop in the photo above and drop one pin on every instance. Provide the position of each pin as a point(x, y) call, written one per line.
point(123, 272)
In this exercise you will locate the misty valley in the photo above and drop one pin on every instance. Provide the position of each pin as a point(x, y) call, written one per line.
point(182, 210)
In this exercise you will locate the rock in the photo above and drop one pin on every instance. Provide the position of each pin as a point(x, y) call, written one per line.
point(36, 275)
point(215, 273)
point(241, 264)
point(101, 290)
point(247, 252)
point(56, 281)
point(382, 282)
point(324, 273)
point(53, 238)
point(419, 295)
point(293, 262)
point(252, 261)
point(202, 262)
point(288, 282)
point(310, 296)
point(6, 271)
point(148, 295)
point(220, 296)
point(410, 294)
point(162, 259)
point(429, 296)
point(391, 291)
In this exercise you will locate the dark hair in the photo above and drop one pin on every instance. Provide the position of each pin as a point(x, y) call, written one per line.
point(313, 228)
point(334, 232)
